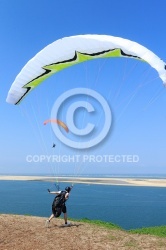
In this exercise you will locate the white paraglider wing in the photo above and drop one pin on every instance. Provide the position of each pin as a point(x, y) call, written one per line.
point(72, 50)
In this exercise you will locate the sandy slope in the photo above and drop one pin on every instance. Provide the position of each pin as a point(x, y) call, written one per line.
point(19, 232)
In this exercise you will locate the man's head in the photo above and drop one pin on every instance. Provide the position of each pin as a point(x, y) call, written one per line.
point(68, 189)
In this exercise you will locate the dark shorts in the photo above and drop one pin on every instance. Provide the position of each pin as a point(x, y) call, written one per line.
point(57, 210)
point(64, 209)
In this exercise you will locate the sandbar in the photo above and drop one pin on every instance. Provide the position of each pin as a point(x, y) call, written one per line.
point(88, 180)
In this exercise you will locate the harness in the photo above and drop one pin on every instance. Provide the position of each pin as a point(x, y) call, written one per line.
point(59, 200)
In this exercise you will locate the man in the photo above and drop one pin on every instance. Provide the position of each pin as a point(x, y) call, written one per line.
point(58, 205)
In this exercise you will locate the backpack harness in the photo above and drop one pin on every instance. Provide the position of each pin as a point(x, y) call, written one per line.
point(59, 200)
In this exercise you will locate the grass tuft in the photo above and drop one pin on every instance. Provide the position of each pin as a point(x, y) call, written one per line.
point(157, 231)
point(98, 223)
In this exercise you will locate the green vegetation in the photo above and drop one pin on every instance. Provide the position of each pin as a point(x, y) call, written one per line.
point(98, 223)
point(157, 231)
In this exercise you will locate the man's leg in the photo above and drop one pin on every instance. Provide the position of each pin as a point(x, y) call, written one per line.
point(64, 210)
point(51, 217)
point(65, 218)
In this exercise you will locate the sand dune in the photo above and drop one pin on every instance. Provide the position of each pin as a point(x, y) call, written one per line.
point(29, 233)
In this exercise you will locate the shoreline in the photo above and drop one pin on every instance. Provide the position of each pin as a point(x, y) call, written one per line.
point(88, 180)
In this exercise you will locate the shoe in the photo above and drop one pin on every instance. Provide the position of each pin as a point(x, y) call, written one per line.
point(67, 224)
point(47, 224)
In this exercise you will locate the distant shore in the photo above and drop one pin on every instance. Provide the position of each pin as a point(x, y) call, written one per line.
point(88, 180)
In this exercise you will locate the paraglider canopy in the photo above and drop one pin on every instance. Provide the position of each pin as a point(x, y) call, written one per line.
point(73, 50)
point(60, 123)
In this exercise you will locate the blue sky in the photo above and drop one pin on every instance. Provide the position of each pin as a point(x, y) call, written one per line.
point(133, 90)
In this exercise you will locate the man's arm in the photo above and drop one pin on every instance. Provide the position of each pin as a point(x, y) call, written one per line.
point(54, 192)
point(66, 196)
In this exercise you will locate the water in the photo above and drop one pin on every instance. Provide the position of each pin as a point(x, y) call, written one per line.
point(128, 207)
